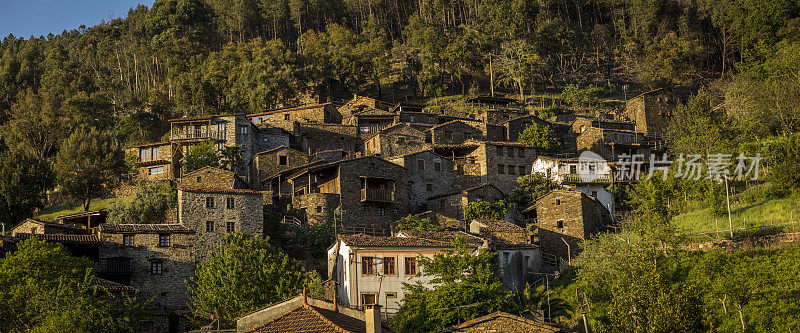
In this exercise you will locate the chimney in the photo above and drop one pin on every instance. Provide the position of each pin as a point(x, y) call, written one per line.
point(372, 316)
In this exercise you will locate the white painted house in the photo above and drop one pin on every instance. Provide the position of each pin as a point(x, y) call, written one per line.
point(588, 174)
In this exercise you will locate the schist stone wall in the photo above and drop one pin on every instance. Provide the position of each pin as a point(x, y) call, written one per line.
point(315, 137)
point(371, 214)
point(279, 159)
point(177, 264)
point(153, 168)
point(454, 132)
point(452, 204)
point(214, 213)
point(396, 140)
point(502, 164)
point(570, 215)
point(428, 174)
point(652, 111)
point(210, 177)
point(315, 208)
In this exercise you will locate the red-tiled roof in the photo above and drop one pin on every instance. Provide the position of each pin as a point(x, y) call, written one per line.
point(508, 143)
point(499, 225)
point(520, 324)
point(113, 286)
point(173, 228)
point(219, 190)
point(362, 240)
point(62, 238)
point(443, 236)
point(309, 318)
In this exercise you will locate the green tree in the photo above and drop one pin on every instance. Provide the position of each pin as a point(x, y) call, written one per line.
point(531, 187)
point(149, 204)
point(466, 286)
point(415, 223)
point(480, 209)
point(23, 181)
point(580, 97)
point(231, 157)
point(538, 301)
point(199, 156)
point(699, 127)
point(44, 289)
point(540, 137)
point(244, 274)
point(87, 164)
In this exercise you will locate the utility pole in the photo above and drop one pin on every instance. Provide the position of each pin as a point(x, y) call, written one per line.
point(728, 200)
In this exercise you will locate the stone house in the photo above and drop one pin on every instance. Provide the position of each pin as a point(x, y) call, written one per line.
point(361, 103)
point(371, 270)
point(221, 131)
point(313, 113)
point(566, 217)
point(518, 258)
point(591, 175)
point(270, 137)
point(652, 111)
point(155, 161)
point(156, 259)
point(371, 120)
point(213, 213)
point(581, 123)
point(369, 192)
point(504, 322)
point(515, 126)
point(38, 227)
point(211, 177)
point(610, 144)
point(494, 110)
point(277, 188)
point(453, 203)
point(314, 137)
point(306, 314)
point(395, 140)
point(429, 174)
point(453, 133)
point(272, 161)
point(418, 119)
point(498, 163)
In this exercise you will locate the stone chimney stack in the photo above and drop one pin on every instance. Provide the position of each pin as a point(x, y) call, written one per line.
point(372, 316)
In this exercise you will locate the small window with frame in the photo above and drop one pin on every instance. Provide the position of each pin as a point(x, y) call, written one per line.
point(209, 226)
point(230, 203)
point(163, 240)
point(283, 160)
point(156, 267)
point(230, 227)
point(127, 240)
point(411, 265)
point(367, 266)
point(560, 224)
point(210, 202)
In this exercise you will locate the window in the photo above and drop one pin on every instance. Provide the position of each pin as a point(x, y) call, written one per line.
point(512, 169)
point(560, 224)
point(389, 266)
point(365, 208)
point(33, 230)
point(369, 299)
point(372, 166)
point(156, 267)
point(209, 226)
point(437, 166)
point(521, 152)
point(429, 187)
point(506, 258)
point(391, 294)
point(243, 130)
point(156, 170)
point(163, 240)
point(127, 240)
point(420, 165)
point(155, 152)
point(199, 179)
point(283, 160)
point(558, 202)
point(230, 203)
point(210, 202)
point(144, 153)
point(286, 117)
point(411, 266)
point(319, 209)
point(230, 227)
point(573, 169)
point(367, 265)
point(501, 169)
point(381, 211)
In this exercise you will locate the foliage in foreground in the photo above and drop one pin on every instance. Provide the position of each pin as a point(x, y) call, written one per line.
point(244, 274)
point(44, 289)
point(480, 209)
point(149, 204)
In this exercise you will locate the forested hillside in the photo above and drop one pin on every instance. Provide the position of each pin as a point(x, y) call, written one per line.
point(195, 57)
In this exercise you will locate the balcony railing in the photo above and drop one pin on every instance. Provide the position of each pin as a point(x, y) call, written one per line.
point(199, 135)
point(115, 266)
point(151, 159)
point(587, 178)
point(377, 195)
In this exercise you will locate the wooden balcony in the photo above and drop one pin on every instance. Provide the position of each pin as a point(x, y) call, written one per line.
point(115, 266)
point(199, 135)
point(377, 195)
point(587, 178)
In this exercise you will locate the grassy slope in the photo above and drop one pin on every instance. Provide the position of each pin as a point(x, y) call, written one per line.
point(749, 214)
point(50, 213)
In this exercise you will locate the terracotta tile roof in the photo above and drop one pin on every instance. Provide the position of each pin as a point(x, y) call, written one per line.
point(520, 324)
point(443, 236)
point(499, 225)
point(362, 240)
point(173, 228)
point(63, 238)
point(309, 318)
point(113, 286)
point(290, 109)
point(218, 190)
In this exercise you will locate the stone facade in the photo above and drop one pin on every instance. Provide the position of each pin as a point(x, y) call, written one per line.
point(154, 161)
point(211, 177)
point(652, 111)
point(610, 144)
point(395, 140)
point(516, 126)
point(428, 174)
point(314, 138)
point(453, 132)
point(213, 213)
point(372, 191)
point(452, 203)
point(315, 113)
point(134, 263)
point(269, 162)
point(566, 216)
point(36, 227)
